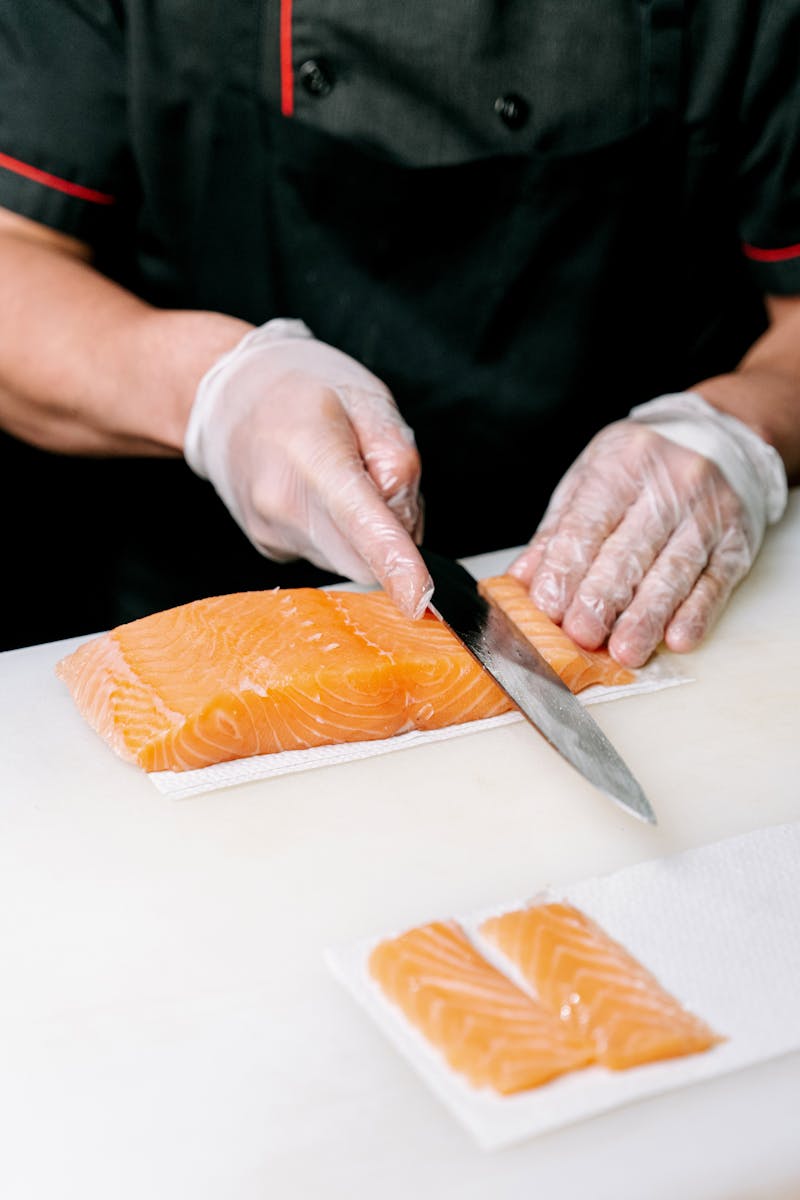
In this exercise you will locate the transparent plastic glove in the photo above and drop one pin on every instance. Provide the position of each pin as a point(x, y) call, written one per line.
point(653, 526)
point(311, 456)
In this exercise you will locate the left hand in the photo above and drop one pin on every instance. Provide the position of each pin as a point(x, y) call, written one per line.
point(644, 540)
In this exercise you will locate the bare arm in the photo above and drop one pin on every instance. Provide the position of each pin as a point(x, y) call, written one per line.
point(85, 366)
point(304, 445)
point(764, 392)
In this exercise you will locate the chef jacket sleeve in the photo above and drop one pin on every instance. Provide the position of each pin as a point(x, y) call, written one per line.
point(769, 162)
point(62, 112)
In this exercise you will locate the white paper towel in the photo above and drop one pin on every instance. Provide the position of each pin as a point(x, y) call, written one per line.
point(718, 926)
point(662, 671)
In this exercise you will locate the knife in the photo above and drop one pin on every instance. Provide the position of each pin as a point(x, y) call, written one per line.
point(525, 676)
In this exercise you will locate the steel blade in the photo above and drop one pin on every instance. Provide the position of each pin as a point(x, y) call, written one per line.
point(521, 671)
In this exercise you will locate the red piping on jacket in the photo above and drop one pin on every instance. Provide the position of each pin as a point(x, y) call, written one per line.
point(770, 256)
point(53, 181)
point(287, 74)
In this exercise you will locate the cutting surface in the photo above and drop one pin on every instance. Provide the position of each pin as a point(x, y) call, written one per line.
point(168, 1027)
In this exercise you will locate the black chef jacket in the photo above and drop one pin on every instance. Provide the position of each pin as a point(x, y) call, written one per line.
point(525, 216)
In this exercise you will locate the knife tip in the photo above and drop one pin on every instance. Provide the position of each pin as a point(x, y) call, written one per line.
point(638, 806)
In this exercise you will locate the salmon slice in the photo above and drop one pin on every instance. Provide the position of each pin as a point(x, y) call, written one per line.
point(259, 672)
point(599, 990)
point(485, 1027)
point(578, 668)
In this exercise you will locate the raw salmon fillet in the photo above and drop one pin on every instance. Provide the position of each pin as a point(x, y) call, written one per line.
point(599, 990)
point(578, 668)
point(259, 672)
point(486, 1027)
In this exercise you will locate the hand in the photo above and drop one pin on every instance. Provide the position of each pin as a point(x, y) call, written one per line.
point(645, 539)
point(310, 454)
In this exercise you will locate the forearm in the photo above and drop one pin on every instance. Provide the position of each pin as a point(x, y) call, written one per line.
point(764, 392)
point(85, 366)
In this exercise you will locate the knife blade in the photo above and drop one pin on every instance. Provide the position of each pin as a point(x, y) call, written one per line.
point(525, 676)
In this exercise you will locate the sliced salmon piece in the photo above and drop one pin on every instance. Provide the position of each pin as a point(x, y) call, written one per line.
point(259, 672)
point(599, 990)
point(486, 1027)
point(578, 668)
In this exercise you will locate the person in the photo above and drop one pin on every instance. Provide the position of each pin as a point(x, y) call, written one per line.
point(246, 249)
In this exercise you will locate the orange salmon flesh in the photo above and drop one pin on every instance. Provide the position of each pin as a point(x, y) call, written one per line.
point(587, 1000)
point(289, 669)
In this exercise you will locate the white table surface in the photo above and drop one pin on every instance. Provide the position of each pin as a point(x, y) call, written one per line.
point(168, 1028)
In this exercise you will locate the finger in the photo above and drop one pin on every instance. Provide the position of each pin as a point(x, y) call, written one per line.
point(370, 528)
point(621, 563)
point(729, 563)
point(387, 447)
point(641, 627)
point(526, 564)
point(318, 501)
point(595, 511)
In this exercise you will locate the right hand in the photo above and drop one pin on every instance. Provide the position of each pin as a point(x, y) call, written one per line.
point(310, 454)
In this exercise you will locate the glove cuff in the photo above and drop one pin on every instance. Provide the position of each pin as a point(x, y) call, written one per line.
point(752, 467)
point(277, 330)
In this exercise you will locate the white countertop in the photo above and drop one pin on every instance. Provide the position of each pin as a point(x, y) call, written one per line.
point(168, 1028)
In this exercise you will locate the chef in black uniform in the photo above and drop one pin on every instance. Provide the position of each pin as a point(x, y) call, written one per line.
point(273, 238)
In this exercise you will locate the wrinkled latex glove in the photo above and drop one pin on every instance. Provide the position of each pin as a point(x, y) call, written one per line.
point(311, 456)
point(653, 526)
